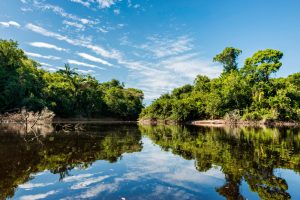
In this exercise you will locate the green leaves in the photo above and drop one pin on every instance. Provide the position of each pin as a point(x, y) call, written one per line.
point(65, 92)
point(251, 91)
point(228, 59)
point(262, 64)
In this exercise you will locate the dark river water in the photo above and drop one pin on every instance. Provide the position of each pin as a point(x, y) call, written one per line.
point(90, 161)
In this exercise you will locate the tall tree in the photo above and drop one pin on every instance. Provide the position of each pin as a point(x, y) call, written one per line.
point(228, 59)
point(262, 64)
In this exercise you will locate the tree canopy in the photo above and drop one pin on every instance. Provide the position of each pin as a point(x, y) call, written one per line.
point(228, 59)
point(66, 92)
point(252, 92)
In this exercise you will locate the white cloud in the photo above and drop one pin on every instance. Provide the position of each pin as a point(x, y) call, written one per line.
point(42, 56)
point(85, 71)
point(117, 11)
point(78, 26)
point(105, 3)
point(47, 46)
point(47, 33)
point(190, 65)
point(38, 196)
point(26, 9)
point(60, 11)
point(162, 64)
point(166, 64)
point(50, 69)
point(46, 64)
point(103, 30)
point(162, 47)
point(75, 62)
point(93, 59)
point(113, 54)
point(10, 24)
point(84, 3)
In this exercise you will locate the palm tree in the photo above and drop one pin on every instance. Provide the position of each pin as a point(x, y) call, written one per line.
point(68, 71)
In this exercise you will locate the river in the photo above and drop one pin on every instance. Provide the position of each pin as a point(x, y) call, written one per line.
point(98, 161)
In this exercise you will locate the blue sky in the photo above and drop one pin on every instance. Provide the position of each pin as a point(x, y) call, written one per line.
point(153, 45)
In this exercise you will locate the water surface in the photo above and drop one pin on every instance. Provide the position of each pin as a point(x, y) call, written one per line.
point(90, 161)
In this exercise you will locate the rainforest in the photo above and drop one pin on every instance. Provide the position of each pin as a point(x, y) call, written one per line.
point(66, 92)
point(250, 92)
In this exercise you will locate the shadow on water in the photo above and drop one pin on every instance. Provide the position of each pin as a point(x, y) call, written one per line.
point(59, 148)
point(244, 154)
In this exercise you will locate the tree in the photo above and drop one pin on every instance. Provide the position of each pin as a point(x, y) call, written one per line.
point(67, 93)
point(68, 71)
point(20, 80)
point(228, 58)
point(251, 92)
point(262, 64)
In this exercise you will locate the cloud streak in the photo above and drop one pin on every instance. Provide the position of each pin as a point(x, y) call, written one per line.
point(113, 54)
point(36, 55)
point(47, 46)
point(78, 63)
point(60, 11)
point(10, 24)
point(78, 26)
point(84, 3)
point(94, 59)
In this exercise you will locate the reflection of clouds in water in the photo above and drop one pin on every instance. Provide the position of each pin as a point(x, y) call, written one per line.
point(161, 191)
point(76, 177)
point(95, 191)
point(29, 186)
point(38, 196)
point(171, 174)
point(40, 173)
point(171, 168)
point(208, 177)
point(155, 173)
point(88, 182)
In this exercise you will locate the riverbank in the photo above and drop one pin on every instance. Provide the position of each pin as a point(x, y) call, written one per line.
point(220, 123)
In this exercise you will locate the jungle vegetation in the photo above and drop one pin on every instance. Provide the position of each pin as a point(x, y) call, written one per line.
point(66, 92)
point(250, 92)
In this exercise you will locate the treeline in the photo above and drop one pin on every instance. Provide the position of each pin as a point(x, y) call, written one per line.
point(67, 93)
point(246, 93)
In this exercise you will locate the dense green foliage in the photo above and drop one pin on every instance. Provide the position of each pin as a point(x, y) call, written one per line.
point(247, 154)
point(67, 93)
point(250, 92)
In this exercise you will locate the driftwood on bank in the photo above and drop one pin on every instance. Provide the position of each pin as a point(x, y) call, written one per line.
point(29, 118)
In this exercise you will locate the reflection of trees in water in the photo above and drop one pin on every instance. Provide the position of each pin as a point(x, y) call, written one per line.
point(249, 154)
point(24, 154)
